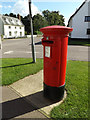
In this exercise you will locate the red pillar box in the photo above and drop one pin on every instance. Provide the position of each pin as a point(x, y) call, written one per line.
point(55, 41)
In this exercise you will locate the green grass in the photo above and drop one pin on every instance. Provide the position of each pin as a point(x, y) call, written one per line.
point(76, 103)
point(14, 69)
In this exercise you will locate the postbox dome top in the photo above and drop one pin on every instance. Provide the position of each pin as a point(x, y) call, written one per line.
point(56, 29)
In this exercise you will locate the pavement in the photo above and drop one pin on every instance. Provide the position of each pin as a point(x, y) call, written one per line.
point(24, 99)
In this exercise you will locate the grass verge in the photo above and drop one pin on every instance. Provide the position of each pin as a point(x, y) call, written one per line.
point(76, 103)
point(14, 69)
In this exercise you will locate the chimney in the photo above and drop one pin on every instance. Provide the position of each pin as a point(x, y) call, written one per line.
point(19, 17)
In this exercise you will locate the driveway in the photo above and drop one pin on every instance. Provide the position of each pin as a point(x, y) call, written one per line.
point(22, 48)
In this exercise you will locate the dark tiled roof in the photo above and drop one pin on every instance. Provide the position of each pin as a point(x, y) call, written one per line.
point(11, 21)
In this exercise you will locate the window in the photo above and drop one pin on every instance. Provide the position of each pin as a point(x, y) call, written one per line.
point(15, 32)
point(87, 18)
point(9, 27)
point(12, 21)
point(88, 31)
point(7, 20)
point(10, 33)
point(20, 33)
point(20, 27)
point(15, 27)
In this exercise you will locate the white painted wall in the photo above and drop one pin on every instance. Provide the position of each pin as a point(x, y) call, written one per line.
point(0, 42)
point(15, 32)
point(78, 23)
point(1, 26)
point(89, 15)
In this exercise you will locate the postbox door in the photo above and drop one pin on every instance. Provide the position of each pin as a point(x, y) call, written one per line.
point(51, 65)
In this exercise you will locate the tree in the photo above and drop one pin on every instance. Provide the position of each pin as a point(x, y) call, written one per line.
point(6, 14)
point(12, 15)
point(26, 22)
point(38, 22)
point(53, 17)
point(46, 14)
point(46, 19)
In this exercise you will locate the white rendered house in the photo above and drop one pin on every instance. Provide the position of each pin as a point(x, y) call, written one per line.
point(11, 27)
point(80, 22)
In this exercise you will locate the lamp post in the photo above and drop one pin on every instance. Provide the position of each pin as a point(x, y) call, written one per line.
point(32, 44)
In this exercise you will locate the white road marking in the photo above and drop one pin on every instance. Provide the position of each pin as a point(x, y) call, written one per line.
point(31, 52)
point(8, 52)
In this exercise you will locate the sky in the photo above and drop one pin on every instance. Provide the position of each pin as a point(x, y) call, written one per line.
point(66, 7)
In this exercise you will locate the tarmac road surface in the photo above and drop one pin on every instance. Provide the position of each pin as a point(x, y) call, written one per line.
point(21, 48)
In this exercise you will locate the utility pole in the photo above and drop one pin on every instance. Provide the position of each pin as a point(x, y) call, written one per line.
point(32, 44)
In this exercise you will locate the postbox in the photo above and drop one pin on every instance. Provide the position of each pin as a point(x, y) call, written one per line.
point(55, 41)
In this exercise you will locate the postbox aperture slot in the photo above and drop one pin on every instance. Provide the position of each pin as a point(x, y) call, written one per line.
point(49, 42)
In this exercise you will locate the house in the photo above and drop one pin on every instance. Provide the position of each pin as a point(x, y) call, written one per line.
point(11, 27)
point(0, 43)
point(80, 22)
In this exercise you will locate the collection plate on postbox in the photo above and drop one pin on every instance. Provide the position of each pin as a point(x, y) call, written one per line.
point(47, 51)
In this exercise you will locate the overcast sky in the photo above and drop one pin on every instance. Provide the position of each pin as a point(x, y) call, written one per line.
point(66, 7)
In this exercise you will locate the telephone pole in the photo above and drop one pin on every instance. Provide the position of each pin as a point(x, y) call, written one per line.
point(32, 43)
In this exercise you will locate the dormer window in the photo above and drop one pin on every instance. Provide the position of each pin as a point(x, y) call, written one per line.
point(12, 21)
point(7, 21)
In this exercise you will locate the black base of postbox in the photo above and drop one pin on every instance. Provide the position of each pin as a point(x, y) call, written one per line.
point(54, 93)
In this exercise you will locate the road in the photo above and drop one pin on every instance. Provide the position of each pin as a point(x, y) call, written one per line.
point(21, 48)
